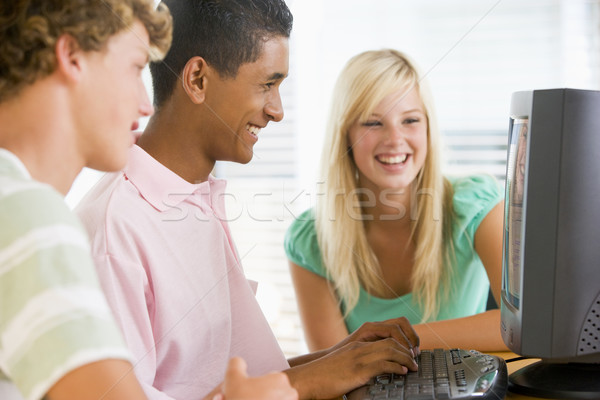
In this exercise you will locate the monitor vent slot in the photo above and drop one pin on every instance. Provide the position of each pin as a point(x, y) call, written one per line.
point(589, 340)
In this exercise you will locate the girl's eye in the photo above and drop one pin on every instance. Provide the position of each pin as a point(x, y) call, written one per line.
point(411, 120)
point(371, 123)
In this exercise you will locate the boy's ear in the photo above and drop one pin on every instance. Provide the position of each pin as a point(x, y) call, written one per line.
point(70, 58)
point(194, 79)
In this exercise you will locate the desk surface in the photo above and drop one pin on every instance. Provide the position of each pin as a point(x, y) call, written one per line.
point(512, 367)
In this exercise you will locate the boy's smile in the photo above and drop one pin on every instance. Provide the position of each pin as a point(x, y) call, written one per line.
point(243, 105)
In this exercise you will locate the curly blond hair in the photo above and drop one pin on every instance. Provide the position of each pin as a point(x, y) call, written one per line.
point(29, 30)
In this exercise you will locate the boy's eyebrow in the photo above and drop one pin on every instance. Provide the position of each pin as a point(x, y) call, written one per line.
point(276, 76)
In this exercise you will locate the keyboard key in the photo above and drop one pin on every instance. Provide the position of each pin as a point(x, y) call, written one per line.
point(442, 374)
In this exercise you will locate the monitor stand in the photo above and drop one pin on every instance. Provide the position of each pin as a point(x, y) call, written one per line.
point(557, 381)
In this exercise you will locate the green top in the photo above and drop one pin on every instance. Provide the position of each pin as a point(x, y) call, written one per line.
point(474, 197)
point(53, 315)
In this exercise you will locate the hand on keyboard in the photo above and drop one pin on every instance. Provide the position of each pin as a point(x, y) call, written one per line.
point(337, 372)
point(442, 374)
point(398, 328)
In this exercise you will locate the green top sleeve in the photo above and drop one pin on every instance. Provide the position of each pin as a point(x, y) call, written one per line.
point(301, 245)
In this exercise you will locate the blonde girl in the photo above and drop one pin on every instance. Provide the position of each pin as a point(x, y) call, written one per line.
point(390, 235)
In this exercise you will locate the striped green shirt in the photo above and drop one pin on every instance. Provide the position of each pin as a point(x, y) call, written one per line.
point(53, 315)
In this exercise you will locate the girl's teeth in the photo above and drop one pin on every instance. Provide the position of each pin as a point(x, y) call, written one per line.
point(393, 160)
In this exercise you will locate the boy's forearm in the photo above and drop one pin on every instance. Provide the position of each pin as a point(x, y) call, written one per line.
point(301, 375)
point(301, 379)
point(306, 358)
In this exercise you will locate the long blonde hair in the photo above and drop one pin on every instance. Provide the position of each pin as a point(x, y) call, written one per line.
point(348, 258)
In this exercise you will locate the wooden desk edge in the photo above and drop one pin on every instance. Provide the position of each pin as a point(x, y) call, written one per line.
point(515, 366)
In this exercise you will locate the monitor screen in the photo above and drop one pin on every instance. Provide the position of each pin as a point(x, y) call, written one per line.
point(515, 179)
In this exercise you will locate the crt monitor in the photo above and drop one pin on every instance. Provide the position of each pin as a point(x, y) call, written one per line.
point(550, 302)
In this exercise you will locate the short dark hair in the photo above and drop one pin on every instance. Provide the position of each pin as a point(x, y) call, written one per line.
point(226, 33)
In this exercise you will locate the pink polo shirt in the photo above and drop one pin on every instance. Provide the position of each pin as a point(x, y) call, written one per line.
point(174, 280)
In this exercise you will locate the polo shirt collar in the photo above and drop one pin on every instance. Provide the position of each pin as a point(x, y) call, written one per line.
point(160, 186)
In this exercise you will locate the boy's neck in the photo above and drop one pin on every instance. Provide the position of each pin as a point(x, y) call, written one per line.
point(31, 127)
point(175, 144)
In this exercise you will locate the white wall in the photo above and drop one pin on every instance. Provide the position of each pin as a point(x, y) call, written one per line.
point(475, 53)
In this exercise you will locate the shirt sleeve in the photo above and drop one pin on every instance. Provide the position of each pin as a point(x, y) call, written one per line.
point(301, 245)
point(53, 315)
point(474, 198)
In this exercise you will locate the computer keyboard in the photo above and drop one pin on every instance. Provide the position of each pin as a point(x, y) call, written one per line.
point(442, 374)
